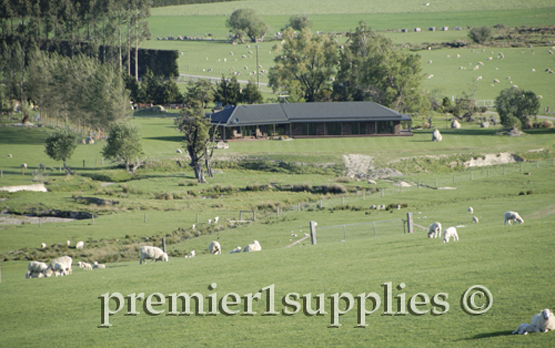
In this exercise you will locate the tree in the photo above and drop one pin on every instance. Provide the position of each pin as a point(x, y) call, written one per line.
point(228, 91)
point(60, 146)
point(299, 22)
point(306, 62)
point(251, 94)
point(480, 34)
point(515, 105)
point(125, 145)
point(201, 91)
point(245, 21)
point(196, 137)
point(371, 70)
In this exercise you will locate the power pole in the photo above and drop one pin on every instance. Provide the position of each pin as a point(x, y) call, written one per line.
point(257, 70)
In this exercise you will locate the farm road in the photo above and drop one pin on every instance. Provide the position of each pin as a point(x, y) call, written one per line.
point(216, 79)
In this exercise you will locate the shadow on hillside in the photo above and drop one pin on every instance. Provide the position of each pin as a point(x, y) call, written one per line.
point(176, 139)
point(488, 335)
point(469, 131)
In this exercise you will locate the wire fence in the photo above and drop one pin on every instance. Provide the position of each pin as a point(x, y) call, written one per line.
point(359, 231)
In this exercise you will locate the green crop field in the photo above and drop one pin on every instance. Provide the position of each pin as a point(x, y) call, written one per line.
point(366, 282)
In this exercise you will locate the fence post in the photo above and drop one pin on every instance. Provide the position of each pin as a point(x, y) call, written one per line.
point(313, 231)
point(164, 244)
point(145, 218)
point(409, 223)
point(83, 163)
point(96, 162)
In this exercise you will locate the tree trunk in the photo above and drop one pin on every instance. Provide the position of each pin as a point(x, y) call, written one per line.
point(207, 159)
point(199, 173)
point(67, 169)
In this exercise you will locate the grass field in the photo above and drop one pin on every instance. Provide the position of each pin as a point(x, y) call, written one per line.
point(418, 283)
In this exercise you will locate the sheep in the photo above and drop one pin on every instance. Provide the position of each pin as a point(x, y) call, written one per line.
point(479, 78)
point(236, 250)
point(209, 221)
point(455, 124)
point(475, 219)
point(512, 216)
point(23, 166)
point(98, 265)
point(254, 246)
point(430, 76)
point(448, 233)
point(10, 155)
point(544, 320)
point(179, 151)
point(79, 245)
point(524, 328)
point(43, 245)
point(435, 230)
point(470, 210)
point(68, 243)
point(59, 266)
point(192, 254)
point(153, 253)
point(36, 268)
point(496, 81)
point(216, 219)
point(85, 266)
point(215, 248)
point(476, 67)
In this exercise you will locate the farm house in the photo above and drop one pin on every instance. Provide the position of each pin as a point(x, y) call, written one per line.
point(304, 120)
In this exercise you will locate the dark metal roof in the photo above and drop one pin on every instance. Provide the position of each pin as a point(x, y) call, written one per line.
point(244, 115)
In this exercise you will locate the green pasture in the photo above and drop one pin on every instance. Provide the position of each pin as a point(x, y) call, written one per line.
point(358, 258)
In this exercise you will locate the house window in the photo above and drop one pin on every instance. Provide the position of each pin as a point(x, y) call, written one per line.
point(334, 128)
point(385, 127)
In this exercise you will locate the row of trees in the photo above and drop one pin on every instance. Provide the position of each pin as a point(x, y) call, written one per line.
point(159, 90)
point(97, 28)
point(367, 68)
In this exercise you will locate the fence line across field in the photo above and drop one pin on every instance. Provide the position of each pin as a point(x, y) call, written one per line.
point(353, 231)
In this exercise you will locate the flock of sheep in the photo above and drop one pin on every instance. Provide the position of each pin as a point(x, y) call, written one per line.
point(541, 322)
point(434, 230)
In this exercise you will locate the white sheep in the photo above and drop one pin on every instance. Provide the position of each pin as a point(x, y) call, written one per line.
point(179, 151)
point(254, 246)
point(216, 219)
point(85, 266)
point(79, 245)
point(475, 219)
point(68, 243)
point(470, 210)
point(436, 136)
point(448, 233)
point(512, 216)
point(236, 250)
point(59, 266)
point(215, 248)
point(98, 265)
point(36, 268)
point(544, 320)
point(455, 124)
point(10, 155)
point(152, 253)
point(209, 221)
point(524, 328)
point(192, 254)
point(435, 230)
point(23, 166)
point(43, 245)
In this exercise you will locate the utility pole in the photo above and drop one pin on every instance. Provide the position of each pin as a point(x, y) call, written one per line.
point(257, 70)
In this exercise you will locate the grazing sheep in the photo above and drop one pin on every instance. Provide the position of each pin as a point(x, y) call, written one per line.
point(179, 151)
point(23, 166)
point(455, 124)
point(10, 155)
point(236, 250)
point(153, 253)
point(209, 221)
point(479, 78)
point(79, 245)
point(99, 265)
point(430, 76)
point(192, 254)
point(216, 219)
point(215, 248)
point(35, 269)
point(68, 243)
point(448, 233)
point(544, 320)
point(254, 246)
point(85, 266)
point(476, 67)
point(59, 266)
point(496, 81)
point(512, 216)
point(524, 328)
point(43, 246)
point(470, 210)
point(475, 219)
point(435, 230)
point(436, 136)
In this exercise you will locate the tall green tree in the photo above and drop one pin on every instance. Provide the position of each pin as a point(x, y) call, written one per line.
point(299, 22)
point(227, 91)
point(196, 136)
point(514, 106)
point(305, 62)
point(201, 91)
point(125, 145)
point(245, 21)
point(251, 94)
point(60, 146)
point(480, 34)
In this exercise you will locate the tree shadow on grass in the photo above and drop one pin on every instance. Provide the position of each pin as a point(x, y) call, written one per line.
point(175, 139)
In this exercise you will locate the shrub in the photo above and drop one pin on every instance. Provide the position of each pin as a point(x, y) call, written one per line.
point(164, 196)
point(336, 188)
